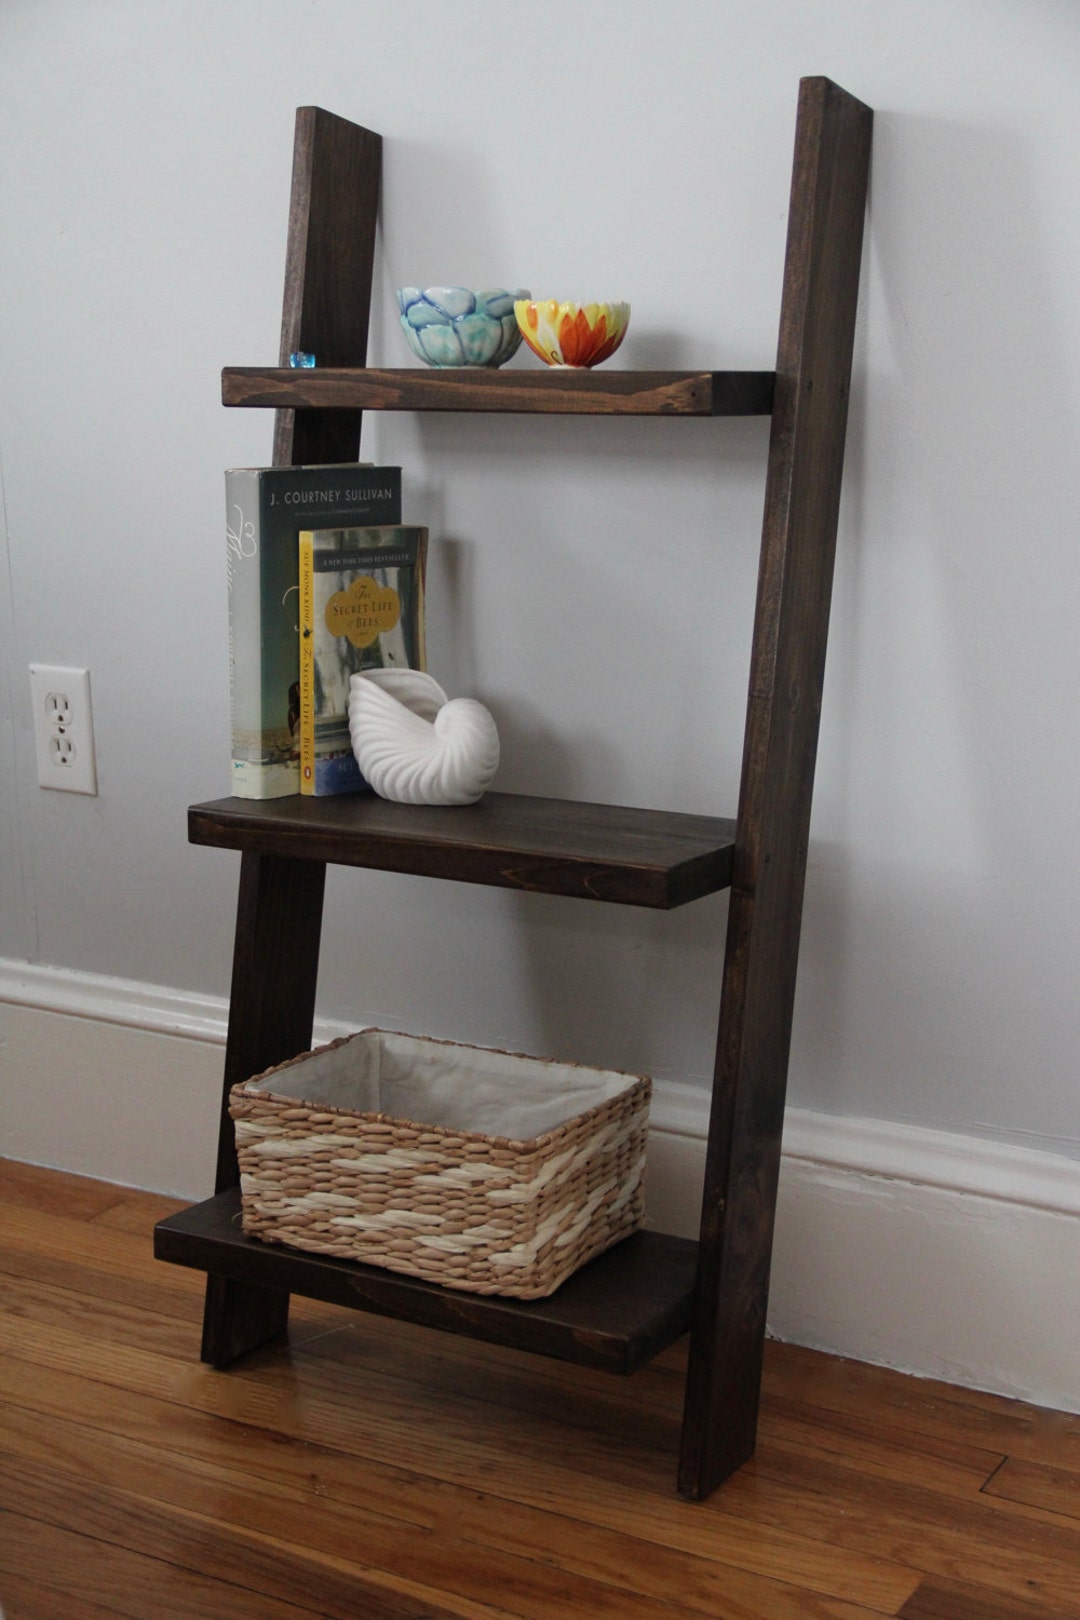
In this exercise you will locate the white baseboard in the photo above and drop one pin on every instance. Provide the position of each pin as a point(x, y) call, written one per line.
point(947, 1256)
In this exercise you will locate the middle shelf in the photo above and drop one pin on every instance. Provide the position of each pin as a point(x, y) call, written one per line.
point(655, 858)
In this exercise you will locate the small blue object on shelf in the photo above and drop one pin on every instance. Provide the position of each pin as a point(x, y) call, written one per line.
point(301, 360)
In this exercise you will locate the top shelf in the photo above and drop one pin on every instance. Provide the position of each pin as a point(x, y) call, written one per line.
point(554, 392)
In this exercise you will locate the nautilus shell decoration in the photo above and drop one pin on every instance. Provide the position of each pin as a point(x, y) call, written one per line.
point(417, 746)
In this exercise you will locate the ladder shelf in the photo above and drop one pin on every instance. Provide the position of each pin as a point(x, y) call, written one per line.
point(628, 1304)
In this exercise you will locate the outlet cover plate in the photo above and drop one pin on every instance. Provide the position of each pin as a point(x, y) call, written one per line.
point(63, 728)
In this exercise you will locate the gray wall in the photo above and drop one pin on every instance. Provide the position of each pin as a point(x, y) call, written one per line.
point(594, 585)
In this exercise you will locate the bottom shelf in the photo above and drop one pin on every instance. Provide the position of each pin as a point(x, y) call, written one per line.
point(616, 1313)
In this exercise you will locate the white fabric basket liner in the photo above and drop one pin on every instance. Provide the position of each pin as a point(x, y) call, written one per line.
point(468, 1089)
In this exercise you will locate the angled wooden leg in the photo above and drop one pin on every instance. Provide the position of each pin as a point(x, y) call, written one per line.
point(272, 1011)
point(802, 500)
point(742, 1171)
point(239, 1317)
point(328, 272)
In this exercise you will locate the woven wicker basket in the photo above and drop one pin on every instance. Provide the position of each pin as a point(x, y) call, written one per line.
point(481, 1170)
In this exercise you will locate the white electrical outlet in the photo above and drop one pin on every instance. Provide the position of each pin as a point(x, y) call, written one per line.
point(63, 728)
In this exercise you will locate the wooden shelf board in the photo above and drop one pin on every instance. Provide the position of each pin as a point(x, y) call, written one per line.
point(653, 858)
point(555, 391)
point(615, 1314)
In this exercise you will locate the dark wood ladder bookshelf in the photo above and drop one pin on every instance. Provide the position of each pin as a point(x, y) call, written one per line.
point(650, 1290)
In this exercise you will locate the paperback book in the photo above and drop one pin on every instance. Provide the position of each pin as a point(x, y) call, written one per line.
point(266, 509)
point(361, 607)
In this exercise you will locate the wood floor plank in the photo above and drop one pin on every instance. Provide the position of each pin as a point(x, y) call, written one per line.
point(94, 1576)
point(947, 1600)
point(436, 1561)
point(847, 1433)
point(30, 1186)
point(451, 1391)
point(970, 1541)
point(482, 1372)
point(540, 1557)
point(449, 1453)
point(836, 1502)
point(203, 1443)
point(610, 1474)
point(370, 1468)
point(788, 1391)
point(258, 1564)
point(489, 1397)
point(111, 1320)
point(925, 1406)
point(30, 1600)
point(138, 1212)
point(1056, 1490)
point(102, 1262)
point(44, 1243)
point(333, 1479)
point(883, 1454)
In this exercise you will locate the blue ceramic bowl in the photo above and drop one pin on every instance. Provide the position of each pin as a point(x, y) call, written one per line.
point(451, 326)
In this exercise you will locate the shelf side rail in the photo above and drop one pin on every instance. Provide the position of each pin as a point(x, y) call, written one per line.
point(802, 498)
point(329, 263)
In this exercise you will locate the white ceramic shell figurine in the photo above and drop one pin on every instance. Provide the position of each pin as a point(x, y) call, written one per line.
point(417, 746)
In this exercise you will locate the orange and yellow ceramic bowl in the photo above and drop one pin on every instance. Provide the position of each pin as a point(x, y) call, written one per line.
point(571, 334)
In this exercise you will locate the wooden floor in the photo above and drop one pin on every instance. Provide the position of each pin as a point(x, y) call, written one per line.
point(370, 1469)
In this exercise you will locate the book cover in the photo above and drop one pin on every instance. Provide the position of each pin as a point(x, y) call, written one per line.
point(361, 607)
point(266, 509)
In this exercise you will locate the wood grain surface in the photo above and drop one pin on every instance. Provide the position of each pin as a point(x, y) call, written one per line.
point(617, 853)
point(370, 1468)
point(556, 392)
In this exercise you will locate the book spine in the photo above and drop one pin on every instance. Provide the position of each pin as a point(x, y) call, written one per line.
point(307, 663)
point(243, 551)
point(267, 508)
point(366, 602)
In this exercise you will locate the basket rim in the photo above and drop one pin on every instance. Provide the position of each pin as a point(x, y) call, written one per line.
point(639, 1089)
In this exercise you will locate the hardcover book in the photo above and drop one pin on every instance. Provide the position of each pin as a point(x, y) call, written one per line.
point(266, 509)
point(361, 607)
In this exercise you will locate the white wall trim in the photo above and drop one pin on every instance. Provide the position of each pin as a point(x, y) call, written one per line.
point(125, 1002)
point(964, 1164)
point(945, 1255)
point(980, 1166)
